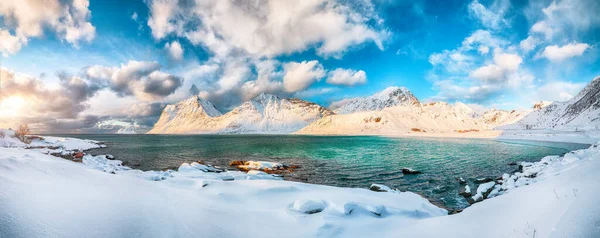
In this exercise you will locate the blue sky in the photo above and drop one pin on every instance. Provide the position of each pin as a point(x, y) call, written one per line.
point(124, 60)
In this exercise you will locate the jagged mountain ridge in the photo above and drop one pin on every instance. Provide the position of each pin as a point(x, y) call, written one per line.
point(435, 117)
point(389, 97)
point(264, 114)
point(582, 112)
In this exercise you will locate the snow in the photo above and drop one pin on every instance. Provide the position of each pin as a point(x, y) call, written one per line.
point(482, 189)
point(309, 206)
point(127, 130)
point(261, 165)
point(46, 196)
point(9, 139)
point(432, 119)
point(389, 97)
point(264, 114)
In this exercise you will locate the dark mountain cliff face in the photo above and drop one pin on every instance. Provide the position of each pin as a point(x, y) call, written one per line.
point(589, 97)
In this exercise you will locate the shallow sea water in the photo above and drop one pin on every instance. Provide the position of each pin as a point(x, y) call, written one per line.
point(345, 161)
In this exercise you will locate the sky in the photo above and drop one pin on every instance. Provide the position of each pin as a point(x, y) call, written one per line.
point(80, 66)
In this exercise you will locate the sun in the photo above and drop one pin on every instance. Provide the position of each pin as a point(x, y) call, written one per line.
point(12, 106)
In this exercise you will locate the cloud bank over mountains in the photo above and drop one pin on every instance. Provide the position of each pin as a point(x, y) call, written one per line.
point(500, 54)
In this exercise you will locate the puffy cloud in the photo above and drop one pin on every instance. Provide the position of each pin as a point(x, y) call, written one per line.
point(299, 76)
point(560, 53)
point(267, 28)
point(66, 101)
point(174, 50)
point(504, 64)
point(544, 28)
point(492, 17)
point(139, 78)
point(29, 18)
point(348, 77)
point(529, 44)
point(557, 91)
point(9, 44)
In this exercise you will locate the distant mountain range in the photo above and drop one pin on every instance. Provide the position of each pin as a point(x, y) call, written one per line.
point(264, 114)
point(393, 111)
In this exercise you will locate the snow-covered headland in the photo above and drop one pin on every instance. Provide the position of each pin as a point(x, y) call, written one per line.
point(45, 196)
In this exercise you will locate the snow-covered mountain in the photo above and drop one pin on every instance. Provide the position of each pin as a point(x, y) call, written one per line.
point(264, 114)
point(435, 117)
point(127, 130)
point(391, 96)
point(582, 112)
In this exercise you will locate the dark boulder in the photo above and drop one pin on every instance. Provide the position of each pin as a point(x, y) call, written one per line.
point(410, 171)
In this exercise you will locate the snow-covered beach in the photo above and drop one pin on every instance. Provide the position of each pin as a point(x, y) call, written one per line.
point(46, 196)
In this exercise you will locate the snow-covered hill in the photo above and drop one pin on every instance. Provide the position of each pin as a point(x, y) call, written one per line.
point(390, 97)
point(264, 114)
point(582, 112)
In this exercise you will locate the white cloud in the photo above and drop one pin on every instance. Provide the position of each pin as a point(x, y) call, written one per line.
point(544, 28)
point(134, 16)
point(267, 28)
point(483, 50)
point(348, 77)
point(299, 76)
point(490, 72)
point(9, 44)
point(507, 61)
point(492, 17)
point(529, 43)
point(504, 64)
point(174, 50)
point(557, 91)
point(560, 53)
point(29, 18)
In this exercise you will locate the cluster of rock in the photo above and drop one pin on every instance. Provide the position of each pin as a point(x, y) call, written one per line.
point(264, 166)
point(527, 173)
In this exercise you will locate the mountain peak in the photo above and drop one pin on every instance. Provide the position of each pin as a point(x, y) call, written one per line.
point(389, 97)
point(265, 97)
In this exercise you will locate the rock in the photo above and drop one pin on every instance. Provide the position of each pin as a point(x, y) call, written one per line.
point(461, 181)
point(520, 169)
point(110, 157)
point(465, 191)
point(483, 180)
point(237, 162)
point(512, 163)
point(199, 161)
point(78, 155)
point(309, 206)
point(410, 171)
point(227, 178)
point(379, 188)
point(78, 160)
point(452, 211)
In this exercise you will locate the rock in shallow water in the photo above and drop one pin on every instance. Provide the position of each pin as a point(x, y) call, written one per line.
point(410, 171)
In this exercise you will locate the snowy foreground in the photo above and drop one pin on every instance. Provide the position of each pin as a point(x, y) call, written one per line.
point(45, 196)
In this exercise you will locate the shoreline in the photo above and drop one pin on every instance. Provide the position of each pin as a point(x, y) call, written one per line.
point(376, 205)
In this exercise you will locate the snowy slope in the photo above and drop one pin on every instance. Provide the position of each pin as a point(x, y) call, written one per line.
point(263, 114)
point(46, 196)
point(582, 112)
point(391, 96)
point(437, 117)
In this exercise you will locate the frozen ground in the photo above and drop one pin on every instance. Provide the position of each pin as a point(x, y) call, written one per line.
point(45, 196)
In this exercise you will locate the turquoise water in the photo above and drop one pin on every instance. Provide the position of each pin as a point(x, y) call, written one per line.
point(344, 161)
